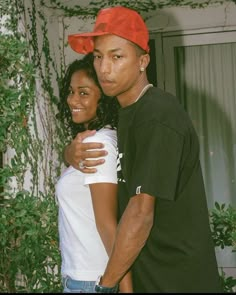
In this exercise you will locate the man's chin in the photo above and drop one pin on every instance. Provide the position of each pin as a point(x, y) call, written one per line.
point(107, 87)
point(109, 92)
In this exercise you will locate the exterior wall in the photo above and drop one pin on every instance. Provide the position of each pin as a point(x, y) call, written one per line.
point(167, 20)
point(183, 19)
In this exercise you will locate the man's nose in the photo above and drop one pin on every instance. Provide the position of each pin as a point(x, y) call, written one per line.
point(105, 65)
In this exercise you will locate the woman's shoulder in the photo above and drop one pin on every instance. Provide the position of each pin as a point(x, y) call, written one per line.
point(103, 134)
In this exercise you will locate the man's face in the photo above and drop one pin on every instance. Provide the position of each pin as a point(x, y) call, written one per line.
point(117, 65)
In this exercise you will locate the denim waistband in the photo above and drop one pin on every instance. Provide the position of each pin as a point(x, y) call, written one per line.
point(71, 285)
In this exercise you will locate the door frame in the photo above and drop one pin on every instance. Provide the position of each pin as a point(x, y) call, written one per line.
point(165, 44)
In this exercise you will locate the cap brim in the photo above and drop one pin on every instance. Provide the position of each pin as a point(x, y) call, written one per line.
point(83, 43)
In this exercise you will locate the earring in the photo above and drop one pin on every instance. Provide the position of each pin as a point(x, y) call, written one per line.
point(142, 69)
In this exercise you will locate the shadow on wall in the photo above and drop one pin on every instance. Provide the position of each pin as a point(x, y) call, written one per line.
point(209, 109)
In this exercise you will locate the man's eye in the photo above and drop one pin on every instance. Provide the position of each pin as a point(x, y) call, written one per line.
point(117, 56)
point(97, 56)
point(70, 92)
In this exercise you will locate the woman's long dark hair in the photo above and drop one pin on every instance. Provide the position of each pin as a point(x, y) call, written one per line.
point(107, 110)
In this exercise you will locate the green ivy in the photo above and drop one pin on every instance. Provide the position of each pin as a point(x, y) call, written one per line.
point(29, 250)
point(223, 225)
point(16, 99)
point(29, 255)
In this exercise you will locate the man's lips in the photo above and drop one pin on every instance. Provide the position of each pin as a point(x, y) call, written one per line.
point(105, 82)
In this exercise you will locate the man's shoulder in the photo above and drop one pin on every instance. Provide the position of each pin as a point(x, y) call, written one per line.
point(160, 96)
point(164, 108)
point(159, 103)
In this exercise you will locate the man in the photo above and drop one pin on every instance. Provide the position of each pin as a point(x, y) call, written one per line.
point(163, 234)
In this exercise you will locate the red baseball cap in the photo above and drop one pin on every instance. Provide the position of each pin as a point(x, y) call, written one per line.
point(121, 21)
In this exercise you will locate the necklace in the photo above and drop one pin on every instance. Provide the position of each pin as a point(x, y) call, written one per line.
point(145, 88)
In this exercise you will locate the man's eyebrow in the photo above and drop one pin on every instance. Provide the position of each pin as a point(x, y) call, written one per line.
point(111, 50)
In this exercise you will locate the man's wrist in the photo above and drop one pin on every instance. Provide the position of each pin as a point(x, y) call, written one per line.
point(102, 289)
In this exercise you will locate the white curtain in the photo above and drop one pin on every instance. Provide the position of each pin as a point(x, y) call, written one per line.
point(206, 86)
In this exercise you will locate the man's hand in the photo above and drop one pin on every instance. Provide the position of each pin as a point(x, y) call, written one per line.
point(78, 151)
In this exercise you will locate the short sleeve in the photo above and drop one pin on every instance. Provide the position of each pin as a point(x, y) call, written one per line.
point(106, 172)
point(157, 161)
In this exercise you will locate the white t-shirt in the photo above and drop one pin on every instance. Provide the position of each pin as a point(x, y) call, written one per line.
point(83, 254)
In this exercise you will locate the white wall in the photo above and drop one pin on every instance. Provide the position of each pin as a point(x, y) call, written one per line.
point(216, 16)
point(167, 20)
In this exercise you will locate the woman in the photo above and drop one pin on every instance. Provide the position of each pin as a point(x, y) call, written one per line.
point(88, 202)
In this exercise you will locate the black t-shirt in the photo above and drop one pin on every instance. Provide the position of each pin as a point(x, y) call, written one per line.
point(159, 155)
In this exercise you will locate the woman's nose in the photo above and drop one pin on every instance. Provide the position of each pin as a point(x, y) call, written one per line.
point(72, 99)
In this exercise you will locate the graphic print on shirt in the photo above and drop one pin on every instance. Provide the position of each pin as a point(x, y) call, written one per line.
point(118, 167)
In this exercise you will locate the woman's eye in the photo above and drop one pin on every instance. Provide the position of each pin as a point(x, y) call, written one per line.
point(70, 92)
point(82, 93)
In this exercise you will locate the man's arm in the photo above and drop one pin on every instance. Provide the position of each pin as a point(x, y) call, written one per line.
point(78, 151)
point(132, 234)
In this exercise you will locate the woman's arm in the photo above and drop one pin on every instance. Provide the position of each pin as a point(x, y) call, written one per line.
point(105, 210)
point(104, 198)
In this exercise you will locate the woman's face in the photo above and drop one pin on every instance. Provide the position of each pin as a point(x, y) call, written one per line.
point(83, 98)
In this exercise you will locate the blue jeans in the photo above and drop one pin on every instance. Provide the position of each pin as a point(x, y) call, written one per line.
point(74, 286)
